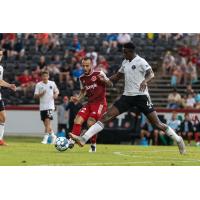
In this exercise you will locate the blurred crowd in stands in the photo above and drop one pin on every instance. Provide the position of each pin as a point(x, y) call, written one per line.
point(186, 126)
point(26, 55)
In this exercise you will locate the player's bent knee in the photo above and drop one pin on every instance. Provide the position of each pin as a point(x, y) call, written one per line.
point(91, 121)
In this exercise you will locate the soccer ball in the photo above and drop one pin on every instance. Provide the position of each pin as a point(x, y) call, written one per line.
point(62, 144)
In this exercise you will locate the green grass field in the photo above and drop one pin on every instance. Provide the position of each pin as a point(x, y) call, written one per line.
point(29, 152)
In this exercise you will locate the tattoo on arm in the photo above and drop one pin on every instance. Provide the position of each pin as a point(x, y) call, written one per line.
point(149, 75)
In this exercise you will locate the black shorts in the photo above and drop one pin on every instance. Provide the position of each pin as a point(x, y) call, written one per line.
point(46, 114)
point(2, 106)
point(141, 102)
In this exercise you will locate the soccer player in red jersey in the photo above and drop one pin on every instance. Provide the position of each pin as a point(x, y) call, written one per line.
point(93, 85)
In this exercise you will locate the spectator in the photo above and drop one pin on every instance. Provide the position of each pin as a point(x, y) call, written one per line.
point(145, 133)
point(73, 110)
point(102, 64)
point(78, 71)
point(174, 122)
point(110, 42)
point(177, 75)
point(191, 73)
point(79, 55)
point(64, 73)
point(53, 41)
point(168, 63)
point(63, 116)
point(93, 55)
point(75, 45)
point(42, 63)
point(25, 81)
point(197, 131)
point(185, 51)
point(190, 101)
point(19, 48)
point(174, 100)
point(186, 128)
point(42, 40)
point(197, 100)
point(189, 90)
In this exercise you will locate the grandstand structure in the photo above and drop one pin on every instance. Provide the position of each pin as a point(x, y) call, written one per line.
point(153, 50)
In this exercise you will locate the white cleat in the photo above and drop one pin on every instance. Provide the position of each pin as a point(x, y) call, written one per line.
point(45, 139)
point(44, 142)
point(181, 146)
point(93, 148)
point(78, 139)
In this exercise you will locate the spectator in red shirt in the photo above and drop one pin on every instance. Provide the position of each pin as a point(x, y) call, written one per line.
point(102, 64)
point(42, 40)
point(185, 51)
point(25, 81)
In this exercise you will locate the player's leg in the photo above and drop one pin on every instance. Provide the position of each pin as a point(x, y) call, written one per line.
point(98, 126)
point(117, 108)
point(2, 125)
point(91, 121)
point(154, 120)
point(49, 131)
point(80, 118)
point(145, 105)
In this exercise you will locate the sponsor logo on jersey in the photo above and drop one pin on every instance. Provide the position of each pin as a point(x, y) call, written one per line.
point(93, 86)
point(94, 78)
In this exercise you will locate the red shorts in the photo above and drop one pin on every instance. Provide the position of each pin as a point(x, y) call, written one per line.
point(93, 110)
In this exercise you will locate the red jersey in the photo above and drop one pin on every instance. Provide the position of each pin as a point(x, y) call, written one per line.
point(95, 89)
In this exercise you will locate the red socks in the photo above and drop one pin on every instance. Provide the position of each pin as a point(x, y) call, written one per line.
point(93, 139)
point(76, 130)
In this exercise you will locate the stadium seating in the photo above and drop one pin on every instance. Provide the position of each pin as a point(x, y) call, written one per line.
point(153, 51)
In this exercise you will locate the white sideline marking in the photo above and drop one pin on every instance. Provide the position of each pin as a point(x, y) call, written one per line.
point(137, 156)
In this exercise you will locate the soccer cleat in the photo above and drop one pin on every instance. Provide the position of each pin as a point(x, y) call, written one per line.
point(93, 148)
point(71, 143)
point(44, 142)
point(45, 139)
point(2, 143)
point(78, 139)
point(181, 146)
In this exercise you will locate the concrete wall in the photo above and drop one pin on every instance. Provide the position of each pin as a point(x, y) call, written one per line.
point(25, 122)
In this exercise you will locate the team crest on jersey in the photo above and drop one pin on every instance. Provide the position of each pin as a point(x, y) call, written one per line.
point(94, 78)
point(133, 67)
point(51, 87)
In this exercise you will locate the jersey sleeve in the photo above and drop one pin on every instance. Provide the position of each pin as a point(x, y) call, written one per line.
point(36, 89)
point(55, 88)
point(1, 73)
point(121, 69)
point(145, 65)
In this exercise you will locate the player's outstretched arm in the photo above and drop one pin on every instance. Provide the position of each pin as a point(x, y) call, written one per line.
point(103, 78)
point(7, 85)
point(116, 77)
